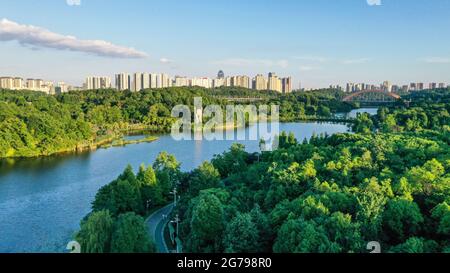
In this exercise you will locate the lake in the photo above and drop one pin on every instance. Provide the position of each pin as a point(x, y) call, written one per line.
point(42, 200)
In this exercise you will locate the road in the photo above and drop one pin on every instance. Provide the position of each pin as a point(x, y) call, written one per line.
point(156, 223)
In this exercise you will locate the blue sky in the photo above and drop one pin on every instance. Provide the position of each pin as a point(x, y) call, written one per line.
point(317, 42)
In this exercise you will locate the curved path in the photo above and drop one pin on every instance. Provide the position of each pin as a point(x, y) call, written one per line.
point(155, 224)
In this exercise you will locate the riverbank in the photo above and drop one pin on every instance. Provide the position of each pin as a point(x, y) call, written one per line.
point(122, 142)
point(115, 138)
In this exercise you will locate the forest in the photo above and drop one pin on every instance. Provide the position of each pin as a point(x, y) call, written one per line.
point(388, 182)
point(35, 124)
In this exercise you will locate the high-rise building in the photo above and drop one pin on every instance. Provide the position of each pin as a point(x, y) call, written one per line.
point(153, 80)
point(65, 88)
point(286, 85)
point(219, 82)
point(259, 82)
point(228, 82)
point(145, 80)
point(241, 81)
point(274, 83)
point(432, 85)
point(35, 84)
point(123, 81)
point(387, 86)
point(18, 83)
point(441, 85)
point(6, 83)
point(221, 75)
point(165, 81)
point(201, 82)
point(97, 83)
point(137, 82)
point(420, 86)
point(349, 88)
point(181, 81)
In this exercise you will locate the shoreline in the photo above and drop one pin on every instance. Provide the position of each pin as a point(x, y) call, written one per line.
point(117, 140)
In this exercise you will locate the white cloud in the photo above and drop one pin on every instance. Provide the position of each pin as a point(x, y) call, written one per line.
point(240, 62)
point(165, 61)
point(374, 2)
point(43, 38)
point(73, 2)
point(356, 61)
point(436, 60)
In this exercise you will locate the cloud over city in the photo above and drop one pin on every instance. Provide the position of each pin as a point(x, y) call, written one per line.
point(28, 35)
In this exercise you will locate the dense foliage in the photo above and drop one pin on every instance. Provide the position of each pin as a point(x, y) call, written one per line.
point(116, 224)
point(34, 124)
point(331, 194)
point(389, 182)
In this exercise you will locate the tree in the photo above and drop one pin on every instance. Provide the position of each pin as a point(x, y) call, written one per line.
point(324, 111)
point(416, 245)
point(105, 199)
point(265, 233)
point(231, 162)
point(95, 233)
point(363, 124)
point(167, 170)
point(207, 224)
point(401, 219)
point(130, 235)
point(301, 236)
point(312, 208)
point(241, 235)
point(149, 186)
point(127, 197)
point(441, 213)
point(426, 179)
point(390, 124)
point(344, 232)
point(371, 203)
point(204, 177)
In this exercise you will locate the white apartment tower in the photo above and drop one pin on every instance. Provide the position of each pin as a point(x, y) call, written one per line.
point(123, 81)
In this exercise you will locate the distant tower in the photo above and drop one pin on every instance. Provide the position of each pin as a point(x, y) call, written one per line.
point(220, 75)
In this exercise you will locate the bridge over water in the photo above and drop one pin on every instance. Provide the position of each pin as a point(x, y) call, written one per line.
point(372, 97)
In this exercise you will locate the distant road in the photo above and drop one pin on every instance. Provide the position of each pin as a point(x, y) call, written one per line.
point(156, 223)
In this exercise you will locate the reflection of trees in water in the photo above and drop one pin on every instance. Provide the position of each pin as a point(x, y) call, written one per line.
point(38, 164)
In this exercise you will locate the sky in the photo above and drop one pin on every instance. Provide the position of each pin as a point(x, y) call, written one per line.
point(317, 42)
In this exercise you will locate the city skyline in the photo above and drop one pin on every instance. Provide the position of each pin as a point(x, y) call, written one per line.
point(318, 43)
point(138, 81)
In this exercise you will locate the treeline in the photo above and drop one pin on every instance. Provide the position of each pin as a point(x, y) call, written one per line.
point(430, 120)
point(34, 124)
point(116, 223)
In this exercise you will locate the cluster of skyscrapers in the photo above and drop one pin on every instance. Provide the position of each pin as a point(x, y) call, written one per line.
point(388, 87)
point(17, 83)
point(140, 81)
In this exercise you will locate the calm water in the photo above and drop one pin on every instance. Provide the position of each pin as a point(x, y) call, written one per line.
point(42, 200)
point(370, 111)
